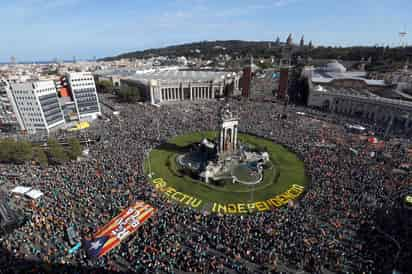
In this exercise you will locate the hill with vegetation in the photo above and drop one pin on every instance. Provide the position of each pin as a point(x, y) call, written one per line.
point(204, 49)
point(379, 56)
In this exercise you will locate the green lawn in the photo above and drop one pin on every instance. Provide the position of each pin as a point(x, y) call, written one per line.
point(286, 169)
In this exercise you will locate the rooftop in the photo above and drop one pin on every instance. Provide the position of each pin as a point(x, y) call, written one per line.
point(182, 75)
point(165, 74)
point(322, 77)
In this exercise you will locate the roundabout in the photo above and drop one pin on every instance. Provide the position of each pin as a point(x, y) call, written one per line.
point(247, 189)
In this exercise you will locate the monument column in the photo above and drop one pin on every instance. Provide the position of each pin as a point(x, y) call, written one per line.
point(221, 139)
point(232, 138)
point(181, 92)
point(235, 139)
point(225, 139)
point(152, 95)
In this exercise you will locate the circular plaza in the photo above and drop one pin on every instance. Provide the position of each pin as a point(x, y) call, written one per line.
point(245, 187)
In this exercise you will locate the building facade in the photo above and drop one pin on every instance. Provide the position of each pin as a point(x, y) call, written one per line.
point(169, 86)
point(336, 90)
point(8, 109)
point(38, 107)
point(83, 90)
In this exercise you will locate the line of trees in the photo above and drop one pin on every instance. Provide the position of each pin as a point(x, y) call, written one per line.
point(19, 152)
point(126, 93)
point(104, 86)
point(129, 94)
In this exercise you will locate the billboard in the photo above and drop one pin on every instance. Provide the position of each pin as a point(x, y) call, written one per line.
point(118, 229)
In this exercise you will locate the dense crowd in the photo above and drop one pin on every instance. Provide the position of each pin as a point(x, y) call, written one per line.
point(323, 232)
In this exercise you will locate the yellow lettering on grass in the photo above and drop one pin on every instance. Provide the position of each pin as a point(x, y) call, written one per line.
point(221, 208)
point(241, 208)
point(196, 203)
point(231, 208)
point(174, 196)
point(262, 206)
point(251, 207)
point(169, 191)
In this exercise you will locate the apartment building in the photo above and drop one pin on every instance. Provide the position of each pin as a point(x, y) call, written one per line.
point(84, 93)
point(38, 106)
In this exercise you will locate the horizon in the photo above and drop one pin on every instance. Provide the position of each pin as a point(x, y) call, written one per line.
point(36, 30)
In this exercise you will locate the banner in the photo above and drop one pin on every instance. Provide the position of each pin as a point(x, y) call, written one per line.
point(118, 229)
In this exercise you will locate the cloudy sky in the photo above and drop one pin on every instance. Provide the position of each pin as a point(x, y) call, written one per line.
point(47, 29)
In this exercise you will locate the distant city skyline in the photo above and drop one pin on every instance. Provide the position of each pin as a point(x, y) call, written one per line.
point(34, 30)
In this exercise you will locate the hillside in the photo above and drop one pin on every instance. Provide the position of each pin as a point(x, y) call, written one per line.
point(206, 49)
point(380, 56)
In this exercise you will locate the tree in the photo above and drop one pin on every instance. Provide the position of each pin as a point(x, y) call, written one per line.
point(12, 151)
point(22, 152)
point(75, 148)
point(56, 152)
point(104, 86)
point(40, 156)
point(7, 147)
point(129, 94)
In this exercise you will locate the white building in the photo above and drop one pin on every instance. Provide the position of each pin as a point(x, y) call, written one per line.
point(38, 106)
point(9, 120)
point(178, 85)
point(83, 90)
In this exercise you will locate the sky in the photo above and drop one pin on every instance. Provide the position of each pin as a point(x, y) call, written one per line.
point(46, 29)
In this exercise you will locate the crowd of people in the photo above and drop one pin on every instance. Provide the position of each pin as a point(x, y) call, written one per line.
point(330, 229)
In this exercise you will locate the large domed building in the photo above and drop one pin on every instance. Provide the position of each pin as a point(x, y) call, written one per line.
point(335, 67)
point(334, 76)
